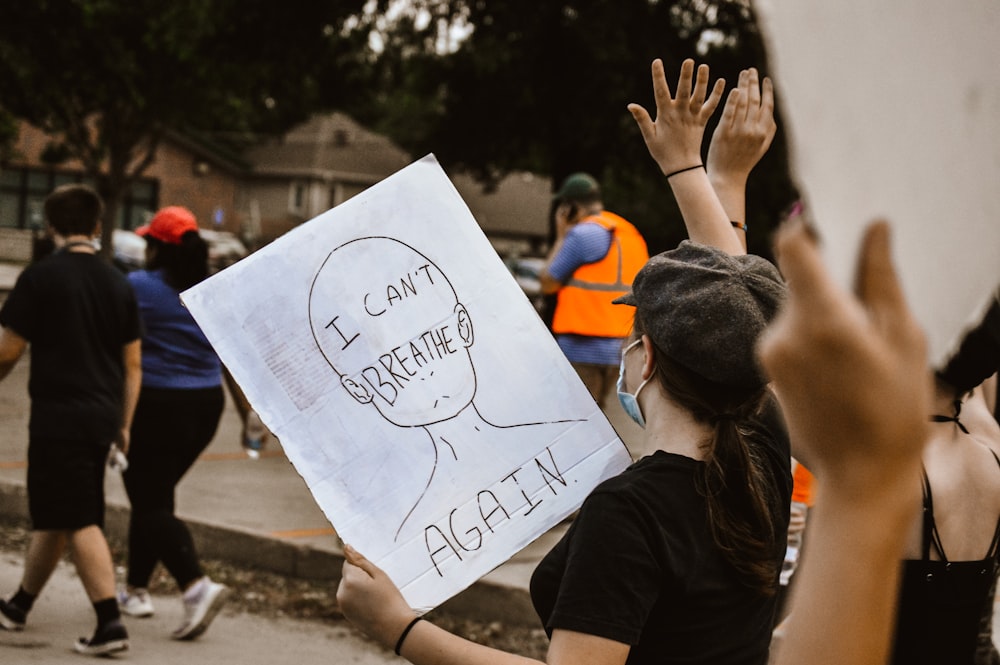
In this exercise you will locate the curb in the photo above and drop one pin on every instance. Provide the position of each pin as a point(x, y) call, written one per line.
point(483, 601)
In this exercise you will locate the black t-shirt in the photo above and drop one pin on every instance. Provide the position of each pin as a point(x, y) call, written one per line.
point(77, 312)
point(639, 566)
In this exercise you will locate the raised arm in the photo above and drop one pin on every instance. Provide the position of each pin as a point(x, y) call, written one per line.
point(674, 141)
point(864, 426)
point(741, 138)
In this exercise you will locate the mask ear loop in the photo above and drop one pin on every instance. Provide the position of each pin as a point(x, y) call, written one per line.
point(630, 401)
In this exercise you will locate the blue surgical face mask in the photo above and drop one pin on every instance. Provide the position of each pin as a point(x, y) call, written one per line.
point(630, 401)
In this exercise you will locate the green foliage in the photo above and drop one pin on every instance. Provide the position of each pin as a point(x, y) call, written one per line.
point(543, 86)
point(8, 135)
point(109, 77)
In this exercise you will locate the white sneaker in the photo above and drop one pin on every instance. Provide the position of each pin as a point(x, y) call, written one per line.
point(135, 604)
point(200, 609)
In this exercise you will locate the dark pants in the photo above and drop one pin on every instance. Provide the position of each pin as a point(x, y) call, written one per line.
point(599, 379)
point(66, 483)
point(170, 430)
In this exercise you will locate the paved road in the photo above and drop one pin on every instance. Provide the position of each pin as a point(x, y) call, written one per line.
point(62, 614)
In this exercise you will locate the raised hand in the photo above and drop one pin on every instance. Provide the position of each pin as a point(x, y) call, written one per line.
point(850, 370)
point(745, 130)
point(674, 138)
point(852, 378)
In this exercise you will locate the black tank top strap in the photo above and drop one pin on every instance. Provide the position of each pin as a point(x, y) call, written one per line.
point(928, 517)
point(952, 419)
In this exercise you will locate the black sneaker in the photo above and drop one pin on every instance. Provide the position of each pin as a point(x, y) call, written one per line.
point(11, 616)
point(109, 639)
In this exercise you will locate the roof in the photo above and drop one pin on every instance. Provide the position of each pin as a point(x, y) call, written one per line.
point(333, 147)
point(327, 147)
point(518, 206)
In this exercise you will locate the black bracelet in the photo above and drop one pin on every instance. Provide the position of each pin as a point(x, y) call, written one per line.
point(690, 168)
point(406, 631)
point(742, 226)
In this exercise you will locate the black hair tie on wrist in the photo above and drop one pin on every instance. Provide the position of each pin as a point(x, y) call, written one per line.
point(406, 631)
point(690, 168)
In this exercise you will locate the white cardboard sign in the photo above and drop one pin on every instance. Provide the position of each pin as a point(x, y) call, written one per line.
point(893, 110)
point(412, 385)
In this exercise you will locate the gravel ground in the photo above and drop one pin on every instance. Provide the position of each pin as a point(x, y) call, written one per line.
point(270, 595)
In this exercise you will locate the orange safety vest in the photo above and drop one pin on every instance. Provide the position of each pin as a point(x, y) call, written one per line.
point(802, 488)
point(584, 303)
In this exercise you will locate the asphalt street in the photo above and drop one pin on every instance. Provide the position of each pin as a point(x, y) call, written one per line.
point(62, 614)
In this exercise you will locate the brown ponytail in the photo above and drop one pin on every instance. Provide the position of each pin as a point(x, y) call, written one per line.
point(737, 483)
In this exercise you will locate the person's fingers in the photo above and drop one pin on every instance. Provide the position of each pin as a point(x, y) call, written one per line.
point(355, 558)
point(700, 88)
point(810, 286)
point(810, 292)
point(728, 118)
point(708, 108)
point(876, 281)
point(684, 79)
point(646, 126)
point(767, 102)
point(744, 85)
point(753, 89)
point(740, 112)
point(661, 89)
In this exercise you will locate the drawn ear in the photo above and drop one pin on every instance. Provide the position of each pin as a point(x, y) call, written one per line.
point(464, 325)
point(358, 392)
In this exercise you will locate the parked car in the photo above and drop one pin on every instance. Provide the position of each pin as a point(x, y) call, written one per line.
point(526, 271)
point(128, 250)
point(224, 249)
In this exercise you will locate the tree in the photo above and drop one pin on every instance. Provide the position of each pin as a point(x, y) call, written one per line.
point(110, 78)
point(8, 135)
point(543, 87)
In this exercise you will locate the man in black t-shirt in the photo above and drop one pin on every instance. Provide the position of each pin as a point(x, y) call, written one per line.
point(80, 316)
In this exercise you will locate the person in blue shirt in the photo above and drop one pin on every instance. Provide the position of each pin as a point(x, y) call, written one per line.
point(180, 404)
point(594, 259)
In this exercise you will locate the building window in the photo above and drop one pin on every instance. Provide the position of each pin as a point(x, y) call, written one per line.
point(297, 198)
point(23, 192)
point(140, 205)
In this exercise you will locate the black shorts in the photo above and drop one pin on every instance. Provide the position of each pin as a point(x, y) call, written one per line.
point(66, 483)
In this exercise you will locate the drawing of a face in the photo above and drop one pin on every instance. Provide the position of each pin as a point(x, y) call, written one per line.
point(388, 321)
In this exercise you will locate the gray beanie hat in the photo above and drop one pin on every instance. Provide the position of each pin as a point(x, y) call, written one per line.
point(705, 309)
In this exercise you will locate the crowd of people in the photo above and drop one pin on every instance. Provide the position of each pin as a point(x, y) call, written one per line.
point(739, 372)
point(732, 368)
point(96, 336)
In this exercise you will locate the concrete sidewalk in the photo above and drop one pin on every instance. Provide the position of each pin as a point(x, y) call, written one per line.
point(260, 512)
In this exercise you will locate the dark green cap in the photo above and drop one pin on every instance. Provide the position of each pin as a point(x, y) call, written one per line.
point(578, 187)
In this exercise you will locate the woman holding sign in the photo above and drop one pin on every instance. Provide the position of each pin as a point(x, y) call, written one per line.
point(677, 558)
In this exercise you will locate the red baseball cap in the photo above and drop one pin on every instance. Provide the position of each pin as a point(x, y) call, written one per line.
point(169, 224)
